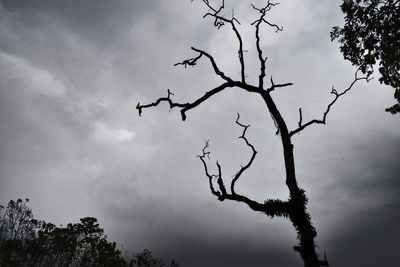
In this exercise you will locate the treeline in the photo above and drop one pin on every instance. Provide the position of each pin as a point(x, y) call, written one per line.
point(26, 241)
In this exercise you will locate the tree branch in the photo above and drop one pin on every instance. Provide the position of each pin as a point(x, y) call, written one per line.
point(271, 207)
point(186, 106)
point(328, 108)
point(273, 85)
point(193, 61)
point(206, 154)
point(263, 11)
point(220, 21)
point(254, 152)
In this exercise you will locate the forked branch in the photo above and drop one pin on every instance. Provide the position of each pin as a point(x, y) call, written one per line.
point(336, 94)
point(263, 11)
point(219, 21)
point(186, 106)
point(206, 154)
point(279, 85)
point(193, 61)
point(253, 156)
point(271, 207)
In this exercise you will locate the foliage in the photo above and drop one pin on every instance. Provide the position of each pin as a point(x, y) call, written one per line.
point(17, 221)
point(146, 259)
point(25, 241)
point(371, 35)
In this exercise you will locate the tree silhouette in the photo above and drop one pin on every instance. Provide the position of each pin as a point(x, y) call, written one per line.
point(25, 241)
point(17, 221)
point(370, 35)
point(295, 207)
point(146, 259)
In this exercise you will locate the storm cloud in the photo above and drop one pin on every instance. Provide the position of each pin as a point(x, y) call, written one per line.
point(72, 73)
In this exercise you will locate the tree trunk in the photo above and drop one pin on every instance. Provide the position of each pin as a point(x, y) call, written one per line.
point(298, 211)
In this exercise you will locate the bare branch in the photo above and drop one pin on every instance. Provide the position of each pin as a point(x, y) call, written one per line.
point(193, 61)
point(186, 106)
point(271, 207)
point(273, 85)
point(158, 101)
point(206, 154)
point(263, 11)
point(278, 29)
point(254, 152)
point(301, 117)
point(259, 51)
point(328, 108)
point(220, 182)
point(189, 62)
point(220, 21)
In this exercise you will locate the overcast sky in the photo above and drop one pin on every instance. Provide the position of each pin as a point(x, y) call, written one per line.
point(72, 72)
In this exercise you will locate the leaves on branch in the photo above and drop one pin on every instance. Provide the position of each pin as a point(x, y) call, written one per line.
point(371, 35)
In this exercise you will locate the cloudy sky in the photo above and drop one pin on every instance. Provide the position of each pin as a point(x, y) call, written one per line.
point(72, 72)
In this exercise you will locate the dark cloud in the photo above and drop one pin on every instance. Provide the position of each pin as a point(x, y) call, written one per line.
point(231, 253)
point(102, 22)
point(372, 186)
point(368, 238)
point(72, 72)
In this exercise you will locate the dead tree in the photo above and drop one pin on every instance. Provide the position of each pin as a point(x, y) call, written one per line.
point(295, 207)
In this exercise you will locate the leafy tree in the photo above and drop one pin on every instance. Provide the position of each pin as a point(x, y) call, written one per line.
point(295, 207)
point(370, 36)
point(17, 221)
point(78, 244)
point(26, 241)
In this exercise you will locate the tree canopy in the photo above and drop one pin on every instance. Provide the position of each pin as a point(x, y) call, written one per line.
point(25, 241)
point(370, 37)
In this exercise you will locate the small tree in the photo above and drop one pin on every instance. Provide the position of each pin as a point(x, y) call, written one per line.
point(16, 221)
point(295, 207)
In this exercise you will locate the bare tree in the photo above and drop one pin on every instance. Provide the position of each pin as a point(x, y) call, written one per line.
point(295, 207)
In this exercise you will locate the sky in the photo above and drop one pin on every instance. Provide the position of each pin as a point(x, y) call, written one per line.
point(71, 140)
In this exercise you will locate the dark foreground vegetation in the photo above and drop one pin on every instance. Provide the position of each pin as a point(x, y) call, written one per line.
point(25, 241)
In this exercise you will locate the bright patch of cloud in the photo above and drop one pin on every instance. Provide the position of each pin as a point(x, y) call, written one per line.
point(106, 134)
point(17, 71)
point(94, 170)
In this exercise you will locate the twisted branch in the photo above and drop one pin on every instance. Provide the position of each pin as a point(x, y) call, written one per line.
point(186, 106)
point(328, 108)
point(258, 22)
point(219, 21)
point(206, 154)
point(254, 152)
point(193, 61)
point(271, 207)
